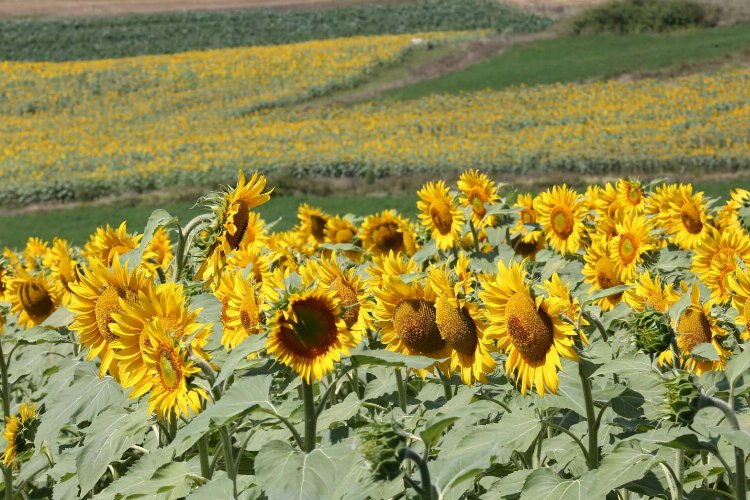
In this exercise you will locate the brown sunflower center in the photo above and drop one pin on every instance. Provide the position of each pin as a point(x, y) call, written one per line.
point(35, 300)
point(315, 330)
point(318, 226)
point(348, 299)
point(169, 368)
point(414, 321)
point(529, 328)
point(628, 248)
point(387, 236)
point(440, 213)
point(562, 221)
point(107, 304)
point(241, 220)
point(525, 249)
point(606, 274)
point(249, 315)
point(693, 328)
point(691, 218)
point(456, 327)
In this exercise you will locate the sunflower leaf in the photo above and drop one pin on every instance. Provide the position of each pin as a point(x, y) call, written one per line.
point(626, 463)
point(382, 357)
point(543, 483)
point(600, 294)
point(704, 352)
point(737, 366)
point(157, 219)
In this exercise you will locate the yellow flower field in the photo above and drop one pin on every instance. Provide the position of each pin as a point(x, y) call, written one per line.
point(78, 130)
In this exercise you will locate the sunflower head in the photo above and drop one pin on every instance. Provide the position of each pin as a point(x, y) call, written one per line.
point(107, 242)
point(478, 191)
point(312, 223)
point(696, 325)
point(561, 213)
point(651, 331)
point(63, 270)
point(160, 247)
point(602, 272)
point(31, 298)
point(687, 219)
point(34, 252)
point(630, 195)
point(19, 433)
point(388, 232)
point(380, 443)
point(440, 214)
point(680, 401)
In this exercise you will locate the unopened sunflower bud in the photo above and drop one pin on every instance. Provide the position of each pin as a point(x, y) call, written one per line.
point(680, 399)
point(651, 331)
point(380, 444)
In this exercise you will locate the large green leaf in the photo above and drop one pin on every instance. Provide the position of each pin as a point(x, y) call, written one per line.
point(737, 366)
point(543, 483)
point(155, 476)
point(157, 218)
point(340, 412)
point(382, 357)
point(109, 435)
point(626, 463)
point(517, 430)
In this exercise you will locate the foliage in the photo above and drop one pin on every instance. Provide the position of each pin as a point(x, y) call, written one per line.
point(644, 16)
point(381, 421)
point(106, 37)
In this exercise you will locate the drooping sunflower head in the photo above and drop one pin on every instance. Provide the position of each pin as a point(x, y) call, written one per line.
point(308, 333)
point(650, 292)
point(286, 248)
point(695, 326)
point(96, 297)
point(380, 443)
point(312, 223)
point(558, 292)
point(528, 328)
point(30, 297)
point(107, 242)
point(478, 191)
point(19, 433)
point(440, 214)
point(687, 221)
point(630, 196)
point(253, 260)
point(389, 264)
point(560, 213)
point(170, 374)
point(387, 231)
point(602, 272)
point(63, 270)
point(633, 240)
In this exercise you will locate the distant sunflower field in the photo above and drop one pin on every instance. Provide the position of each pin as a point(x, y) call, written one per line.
point(503, 345)
point(84, 129)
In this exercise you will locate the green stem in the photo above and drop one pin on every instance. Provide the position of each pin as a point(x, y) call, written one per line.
point(567, 431)
point(740, 479)
point(598, 324)
point(287, 423)
point(226, 441)
point(401, 390)
point(679, 469)
point(446, 386)
point(203, 455)
point(310, 417)
point(408, 453)
point(180, 257)
point(591, 420)
point(474, 235)
point(7, 471)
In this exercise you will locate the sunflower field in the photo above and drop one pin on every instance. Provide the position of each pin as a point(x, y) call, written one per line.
point(503, 345)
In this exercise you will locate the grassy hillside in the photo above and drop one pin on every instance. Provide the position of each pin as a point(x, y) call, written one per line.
point(93, 38)
point(572, 58)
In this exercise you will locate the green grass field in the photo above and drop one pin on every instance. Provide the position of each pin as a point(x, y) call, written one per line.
point(577, 58)
point(76, 224)
point(94, 38)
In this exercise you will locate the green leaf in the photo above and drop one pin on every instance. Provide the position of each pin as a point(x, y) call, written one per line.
point(62, 317)
point(737, 366)
point(155, 477)
point(111, 433)
point(340, 412)
point(284, 472)
point(570, 393)
point(588, 298)
point(518, 430)
point(508, 486)
point(158, 218)
point(543, 483)
point(688, 442)
point(624, 464)
point(239, 354)
point(382, 357)
point(431, 434)
point(704, 352)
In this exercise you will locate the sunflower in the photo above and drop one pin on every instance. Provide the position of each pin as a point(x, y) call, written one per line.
point(312, 223)
point(602, 272)
point(478, 190)
point(241, 308)
point(659, 201)
point(406, 317)
point(728, 216)
point(686, 219)
point(558, 291)
point(630, 196)
point(526, 216)
point(169, 375)
point(696, 326)
point(340, 230)
point(607, 203)
point(309, 334)
point(739, 284)
point(63, 270)
point(717, 278)
point(30, 297)
point(390, 264)
point(19, 433)
point(387, 231)
point(354, 297)
point(227, 232)
point(632, 241)
point(285, 249)
point(591, 196)
point(529, 329)
point(650, 292)
point(107, 242)
point(561, 216)
point(34, 252)
point(440, 214)
point(252, 259)
point(160, 247)
point(530, 249)
point(461, 325)
point(129, 325)
point(95, 298)
point(717, 255)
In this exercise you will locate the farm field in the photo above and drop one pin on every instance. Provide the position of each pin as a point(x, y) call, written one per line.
point(408, 249)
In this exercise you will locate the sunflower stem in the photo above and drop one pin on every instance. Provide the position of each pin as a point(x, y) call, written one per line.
point(424, 471)
point(446, 386)
point(180, 258)
point(203, 454)
point(740, 480)
point(310, 417)
point(474, 235)
point(7, 472)
point(598, 324)
point(226, 441)
point(401, 390)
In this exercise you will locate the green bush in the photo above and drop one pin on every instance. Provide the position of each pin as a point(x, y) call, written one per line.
point(95, 38)
point(644, 16)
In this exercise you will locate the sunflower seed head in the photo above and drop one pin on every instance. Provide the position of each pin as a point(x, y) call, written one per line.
point(651, 331)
